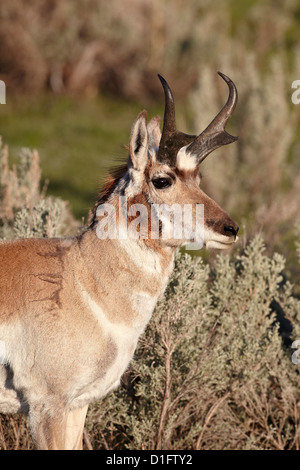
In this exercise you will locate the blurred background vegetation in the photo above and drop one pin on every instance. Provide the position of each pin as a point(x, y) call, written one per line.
point(77, 74)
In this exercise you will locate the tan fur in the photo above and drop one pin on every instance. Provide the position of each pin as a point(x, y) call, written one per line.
point(72, 310)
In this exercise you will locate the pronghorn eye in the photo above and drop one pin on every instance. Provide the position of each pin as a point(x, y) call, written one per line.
point(161, 183)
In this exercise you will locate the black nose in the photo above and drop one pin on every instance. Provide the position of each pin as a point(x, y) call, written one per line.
point(231, 229)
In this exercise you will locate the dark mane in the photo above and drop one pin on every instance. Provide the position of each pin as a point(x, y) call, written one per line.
point(110, 183)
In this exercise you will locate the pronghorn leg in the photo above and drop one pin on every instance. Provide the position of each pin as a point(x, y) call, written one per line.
point(57, 428)
point(48, 427)
point(75, 426)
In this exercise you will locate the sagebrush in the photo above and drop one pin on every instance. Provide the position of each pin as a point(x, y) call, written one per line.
point(25, 209)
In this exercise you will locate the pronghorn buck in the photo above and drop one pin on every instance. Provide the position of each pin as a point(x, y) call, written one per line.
point(72, 309)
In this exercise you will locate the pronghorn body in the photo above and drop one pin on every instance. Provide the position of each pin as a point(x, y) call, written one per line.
point(72, 310)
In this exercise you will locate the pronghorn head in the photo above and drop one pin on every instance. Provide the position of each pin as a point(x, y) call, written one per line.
point(162, 176)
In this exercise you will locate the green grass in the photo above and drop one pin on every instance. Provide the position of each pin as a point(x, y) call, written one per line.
point(78, 140)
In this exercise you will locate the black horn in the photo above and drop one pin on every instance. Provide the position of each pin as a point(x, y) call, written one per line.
point(215, 136)
point(171, 140)
point(211, 138)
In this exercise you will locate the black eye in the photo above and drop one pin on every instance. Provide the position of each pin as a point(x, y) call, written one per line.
point(161, 183)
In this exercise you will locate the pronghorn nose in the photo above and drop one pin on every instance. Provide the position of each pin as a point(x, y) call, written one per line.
point(231, 229)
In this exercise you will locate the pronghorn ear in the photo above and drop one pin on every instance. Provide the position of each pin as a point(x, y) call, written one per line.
point(154, 132)
point(138, 143)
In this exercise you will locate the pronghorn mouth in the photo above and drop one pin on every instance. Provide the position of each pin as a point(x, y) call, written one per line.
point(221, 245)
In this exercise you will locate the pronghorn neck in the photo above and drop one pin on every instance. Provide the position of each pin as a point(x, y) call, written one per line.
point(148, 256)
point(126, 277)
